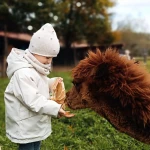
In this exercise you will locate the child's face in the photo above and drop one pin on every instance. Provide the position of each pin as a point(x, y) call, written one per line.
point(43, 59)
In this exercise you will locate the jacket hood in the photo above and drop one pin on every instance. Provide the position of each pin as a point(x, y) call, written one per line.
point(16, 61)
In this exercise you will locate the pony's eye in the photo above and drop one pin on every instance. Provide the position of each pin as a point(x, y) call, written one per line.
point(75, 83)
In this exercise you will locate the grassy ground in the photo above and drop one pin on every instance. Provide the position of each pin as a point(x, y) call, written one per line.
point(85, 131)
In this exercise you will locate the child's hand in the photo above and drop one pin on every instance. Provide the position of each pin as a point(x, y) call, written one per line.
point(65, 113)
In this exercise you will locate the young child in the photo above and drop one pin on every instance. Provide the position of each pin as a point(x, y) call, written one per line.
point(27, 96)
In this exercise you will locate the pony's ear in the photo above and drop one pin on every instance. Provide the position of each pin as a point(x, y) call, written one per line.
point(100, 71)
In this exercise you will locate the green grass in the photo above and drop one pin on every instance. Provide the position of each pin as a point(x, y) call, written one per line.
point(86, 131)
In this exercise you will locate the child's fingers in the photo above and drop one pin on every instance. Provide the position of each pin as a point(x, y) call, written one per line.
point(68, 114)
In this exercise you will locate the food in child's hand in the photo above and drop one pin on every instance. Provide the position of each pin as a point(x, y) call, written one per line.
point(59, 95)
point(58, 92)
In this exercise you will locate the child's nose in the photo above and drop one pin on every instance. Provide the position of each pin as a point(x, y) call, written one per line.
point(49, 61)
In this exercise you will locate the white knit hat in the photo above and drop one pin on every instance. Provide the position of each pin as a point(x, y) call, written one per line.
point(44, 42)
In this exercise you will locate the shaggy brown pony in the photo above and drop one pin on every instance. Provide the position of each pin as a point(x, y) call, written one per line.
point(116, 88)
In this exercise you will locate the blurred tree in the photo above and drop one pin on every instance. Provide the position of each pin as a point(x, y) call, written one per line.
point(25, 15)
point(6, 18)
point(74, 20)
point(84, 20)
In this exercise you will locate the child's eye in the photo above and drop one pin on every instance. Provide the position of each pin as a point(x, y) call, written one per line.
point(48, 57)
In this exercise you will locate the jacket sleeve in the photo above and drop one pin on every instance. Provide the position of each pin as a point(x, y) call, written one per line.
point(27, 92)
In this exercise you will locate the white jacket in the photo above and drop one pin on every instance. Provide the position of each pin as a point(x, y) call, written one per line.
point(27, 104)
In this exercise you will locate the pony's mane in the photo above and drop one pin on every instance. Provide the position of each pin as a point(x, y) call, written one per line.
point(84, 67)
point(124, 80)
point(94, 59)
